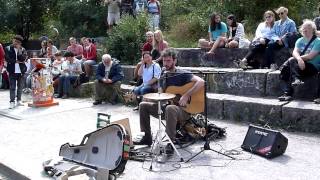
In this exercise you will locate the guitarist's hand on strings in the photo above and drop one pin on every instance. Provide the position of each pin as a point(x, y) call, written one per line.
point(183, 100)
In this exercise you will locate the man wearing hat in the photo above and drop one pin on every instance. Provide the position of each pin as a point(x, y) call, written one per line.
point(16, 56)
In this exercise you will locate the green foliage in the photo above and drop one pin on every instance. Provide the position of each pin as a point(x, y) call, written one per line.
point(82, 18)
point(187, 20)
point(126, 39)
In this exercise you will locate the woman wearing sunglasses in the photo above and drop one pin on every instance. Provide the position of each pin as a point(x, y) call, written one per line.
point(280, 33)
point(260, 42)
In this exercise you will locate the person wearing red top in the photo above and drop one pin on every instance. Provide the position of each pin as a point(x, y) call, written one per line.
point(89, 56)
point(147, 46)
point(1, 58)
point(75, 48)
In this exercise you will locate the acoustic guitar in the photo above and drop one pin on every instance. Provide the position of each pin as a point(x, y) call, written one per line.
point(196, 102)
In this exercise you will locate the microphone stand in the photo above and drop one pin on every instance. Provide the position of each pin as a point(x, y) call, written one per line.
point(206, 145)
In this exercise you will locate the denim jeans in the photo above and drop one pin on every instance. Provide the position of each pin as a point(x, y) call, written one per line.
point(16, 83)
point(65, 83)
point(143, 89)
point(154, 21)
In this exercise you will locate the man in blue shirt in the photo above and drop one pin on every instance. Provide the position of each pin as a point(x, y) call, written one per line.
point(282, 28)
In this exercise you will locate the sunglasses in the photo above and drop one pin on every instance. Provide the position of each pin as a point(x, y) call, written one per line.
point(281, 13)
point(268, 17)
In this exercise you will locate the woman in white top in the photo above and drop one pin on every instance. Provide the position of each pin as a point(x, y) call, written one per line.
point(260, 42)
point(236, 32)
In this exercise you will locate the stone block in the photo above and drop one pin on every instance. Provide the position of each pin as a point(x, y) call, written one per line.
point(215, 105)
point(84, 90)
point(306, 91)
point(255, 110)
point(223, 57)
point(189, 57)
point(128, 72)
point(239, 82)
point(301, 116)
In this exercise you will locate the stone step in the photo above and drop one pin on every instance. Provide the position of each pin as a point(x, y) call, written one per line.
point(223, 57)
point(256, 82)
point(295, 115)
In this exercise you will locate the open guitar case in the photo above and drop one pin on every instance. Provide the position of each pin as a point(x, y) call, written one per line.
point(101, 153)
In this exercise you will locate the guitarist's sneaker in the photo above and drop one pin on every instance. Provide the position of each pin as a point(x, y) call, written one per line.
point(169, 149)
point(145, 140)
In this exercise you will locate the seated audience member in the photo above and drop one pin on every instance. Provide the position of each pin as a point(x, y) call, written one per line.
point(31, 64)
point(43, 50)
point(89, 56)
point(57, 68)
point(159, 44)
point(236, 38)
point(75, 48)
point(281, 30)
point(150, 72)
point(173, 113)
point(217, 34)
point(305, 61)
point(260, 41)
point(107, 85)
point(147, 46)
point(51, 49)
point(70, 74)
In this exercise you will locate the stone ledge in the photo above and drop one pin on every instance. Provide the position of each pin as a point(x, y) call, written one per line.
point(222, 58)
point(83, 91)
point(301, 116)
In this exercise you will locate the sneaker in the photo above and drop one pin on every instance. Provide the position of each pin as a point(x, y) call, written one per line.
point(145, 140)
point(65, 96)
point(136, 108)
point(285, 97)
point(19, 103)
point(96, 102)
point(273, 67)
point(316, 101)
point(169, 149)
point(12, 105)
point(243, 64)
point(297, 82)
point(58, 96)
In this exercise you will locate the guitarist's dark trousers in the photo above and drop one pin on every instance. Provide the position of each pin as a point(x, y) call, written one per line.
point(173, 114)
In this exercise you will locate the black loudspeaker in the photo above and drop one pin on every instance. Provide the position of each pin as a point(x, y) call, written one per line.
point(264, 142)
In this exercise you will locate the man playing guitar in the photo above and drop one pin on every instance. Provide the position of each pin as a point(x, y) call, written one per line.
point(173, 113)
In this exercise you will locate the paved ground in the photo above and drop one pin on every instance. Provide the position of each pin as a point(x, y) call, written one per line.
point(36, 134)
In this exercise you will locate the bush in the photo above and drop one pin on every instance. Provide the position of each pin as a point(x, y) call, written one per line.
point(126, 39)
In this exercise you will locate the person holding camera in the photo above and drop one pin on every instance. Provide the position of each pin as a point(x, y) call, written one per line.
point(150, 73)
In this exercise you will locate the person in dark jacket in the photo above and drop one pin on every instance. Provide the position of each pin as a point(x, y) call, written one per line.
point(108, 80)
point(16, 56)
